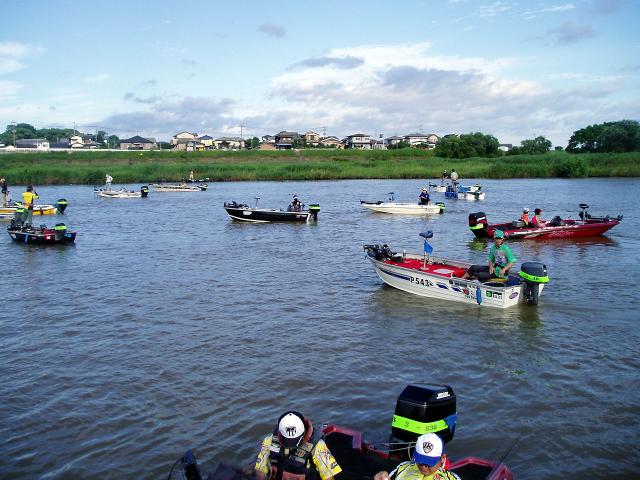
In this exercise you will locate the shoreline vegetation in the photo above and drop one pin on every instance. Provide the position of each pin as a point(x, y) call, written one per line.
point(90, 167)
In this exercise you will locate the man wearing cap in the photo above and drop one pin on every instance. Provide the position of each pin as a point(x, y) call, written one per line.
point(289, 452)
point(5, 192)
point(424, 197)
point(501, 259)
point(525, 217)
point(428, 462)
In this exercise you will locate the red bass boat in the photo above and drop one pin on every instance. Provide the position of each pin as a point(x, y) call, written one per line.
point(585, 226)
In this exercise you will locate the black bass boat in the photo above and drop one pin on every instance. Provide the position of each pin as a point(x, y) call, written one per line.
point(244, 213)
point(41, 235)
point(419, 409)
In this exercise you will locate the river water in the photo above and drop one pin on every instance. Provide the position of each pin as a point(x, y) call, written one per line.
point(168, 326)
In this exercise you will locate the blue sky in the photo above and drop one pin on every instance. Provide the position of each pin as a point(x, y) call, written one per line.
point(155, 68)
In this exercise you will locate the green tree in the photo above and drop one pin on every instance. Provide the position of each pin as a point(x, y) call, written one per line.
point(619, 136)
point(535, 146)
point(468, 145)
point(252, 143)
point(113, 141)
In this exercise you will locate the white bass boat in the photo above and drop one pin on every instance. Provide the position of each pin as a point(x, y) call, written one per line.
point(403, 208)
point(122, 193)
point(440, 278)
point(183, 187)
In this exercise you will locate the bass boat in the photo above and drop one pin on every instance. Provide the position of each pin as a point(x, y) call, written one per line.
point(122, 193)
point(244, 213)
point(59, 207)
point(462, 194)
point(437, 188)
point(440, 278)
point(391, 206)
point(419, 409)
point(41, 235)
point(183, 187)
point(585, 226)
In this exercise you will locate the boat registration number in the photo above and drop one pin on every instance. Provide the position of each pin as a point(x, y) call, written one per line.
point(422, 281)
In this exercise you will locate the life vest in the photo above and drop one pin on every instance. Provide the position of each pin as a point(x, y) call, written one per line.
point(292, 465)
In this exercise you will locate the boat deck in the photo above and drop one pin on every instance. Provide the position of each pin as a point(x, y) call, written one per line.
point(445, 271)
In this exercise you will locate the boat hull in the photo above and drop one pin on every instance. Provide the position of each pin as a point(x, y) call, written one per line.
point(441, 281)
point(180, 188)
point(41, 237)
point(263, 215)
point(403, 208)
point(8, 212)
point(465, 195)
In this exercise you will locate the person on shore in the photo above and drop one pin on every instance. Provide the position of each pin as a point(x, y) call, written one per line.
point(424, 197)
point(454, 180)
point(295, 205)
point(537, 218)
point(5, 192)
point(501, 259)
point(107, 183)
point(289, 452)
point(444, 177)
point(428, 462)
point(525, 217)
point(28, 200)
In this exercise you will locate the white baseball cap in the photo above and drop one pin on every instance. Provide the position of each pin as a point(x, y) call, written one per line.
point(291, 429)
point(525, 209)
point(429, 449)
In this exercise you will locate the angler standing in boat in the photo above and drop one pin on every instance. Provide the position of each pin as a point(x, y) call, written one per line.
point(290, 452)
point(428, 462)
point(444, 177)
point(107, 183)
point(454, 180)
point(28, 199)
point(501, 259)
point(5, 192)
point(424, 197)
point(191, 176)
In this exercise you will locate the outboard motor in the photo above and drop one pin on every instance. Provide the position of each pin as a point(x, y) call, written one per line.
point(441, 205)
point(478, 224)
point(533, 274)
point(60, 230)
point(61, 205)
point(144, 190)
point(424, 409)
point(314, 208)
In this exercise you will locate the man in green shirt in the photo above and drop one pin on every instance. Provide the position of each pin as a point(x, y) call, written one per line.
point(501, 259)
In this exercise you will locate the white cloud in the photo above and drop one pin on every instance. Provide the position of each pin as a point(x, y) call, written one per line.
point(100, 77)
point(12, 54)
point(8, 89)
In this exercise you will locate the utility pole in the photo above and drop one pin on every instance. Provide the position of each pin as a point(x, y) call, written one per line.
point(14, 133)
point(324, 131)
point(241, 135)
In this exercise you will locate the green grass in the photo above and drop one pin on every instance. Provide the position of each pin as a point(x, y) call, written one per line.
point(48, 168)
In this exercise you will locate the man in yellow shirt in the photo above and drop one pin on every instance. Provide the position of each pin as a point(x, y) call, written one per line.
point(428, 462)
point(289, 453)
point(28, 199)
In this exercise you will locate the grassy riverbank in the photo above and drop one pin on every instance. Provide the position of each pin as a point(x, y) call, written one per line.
point(90, 167)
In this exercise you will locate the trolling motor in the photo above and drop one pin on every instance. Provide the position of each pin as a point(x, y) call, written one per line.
point(478, 224)
point(144, 191)
point(533, 275)
point(61, 205)
point(423, 409)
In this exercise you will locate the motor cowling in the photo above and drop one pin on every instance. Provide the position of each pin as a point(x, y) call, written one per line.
point(144, 190)
point(533, 274)
point(314, 208)
point(441, 205)
point(478, 224)
point(61, 205)
point(424, 409)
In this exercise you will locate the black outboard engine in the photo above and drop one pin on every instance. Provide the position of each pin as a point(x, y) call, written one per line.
point(61, 205)
point(144, 190)
point(478, 224)
point(424, 409)
point(533, 275)
point(314, 208)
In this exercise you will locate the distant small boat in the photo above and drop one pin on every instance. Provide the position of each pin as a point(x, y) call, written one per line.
point(243, 213)
point(59, 207)
point(182, 187)
point(122, 193)
point(41, 235)
point(464, 195)
point(437, 188)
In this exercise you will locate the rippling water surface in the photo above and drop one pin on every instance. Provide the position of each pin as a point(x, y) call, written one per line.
point(168, 326)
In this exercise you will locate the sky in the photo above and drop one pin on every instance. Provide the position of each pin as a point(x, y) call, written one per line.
point(512, 69)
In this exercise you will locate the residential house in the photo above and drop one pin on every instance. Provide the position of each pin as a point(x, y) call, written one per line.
point(505, 147)
point(331, 142)
point(138, 143)
point(378, 144)
point(267, 146)
point(270, 139)
point(393, 141)
point(76, 142)
point(228, 143)
point(358, 141)
point(37, 143)
point(415, 139)
point(175, 140)
point(284, 140)
point(312, 138)
point(187, 144)
point(62, 142)
point(207, 141)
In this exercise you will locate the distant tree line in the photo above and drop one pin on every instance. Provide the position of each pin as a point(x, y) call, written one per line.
point(467, 145)
point(621, 136)
point(21, 131)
